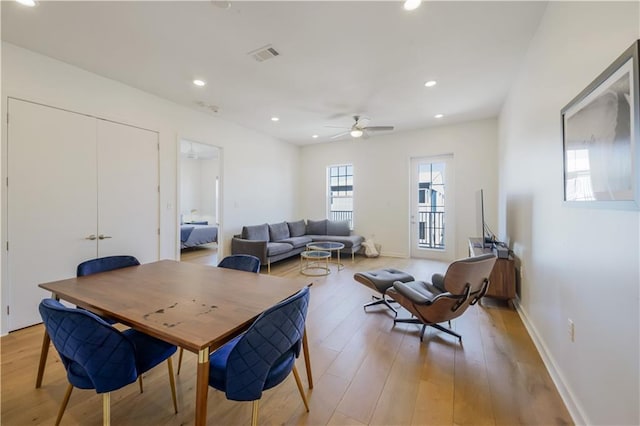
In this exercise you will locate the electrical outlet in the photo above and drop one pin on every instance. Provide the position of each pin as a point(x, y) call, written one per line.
point(571, 329)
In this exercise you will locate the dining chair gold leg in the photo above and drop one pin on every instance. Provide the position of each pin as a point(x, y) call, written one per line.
point(307, 358)
point(254, 413)
point(106, 409)
point(43, 358)
point(46, 340)
point(140, 382)
point(65, 401)
point(180, 361)
point(172, 382)
point(299, 383)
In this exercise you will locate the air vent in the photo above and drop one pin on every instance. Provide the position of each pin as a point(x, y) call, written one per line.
point(264, 53)
point(212, 108)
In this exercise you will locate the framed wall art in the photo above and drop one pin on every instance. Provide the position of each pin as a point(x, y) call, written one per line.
point(600, 138)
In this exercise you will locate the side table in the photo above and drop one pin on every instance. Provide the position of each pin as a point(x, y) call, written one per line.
point(314, 262)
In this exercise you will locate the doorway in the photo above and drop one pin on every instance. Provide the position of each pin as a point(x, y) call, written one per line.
point(432, 234)
point(199, 202)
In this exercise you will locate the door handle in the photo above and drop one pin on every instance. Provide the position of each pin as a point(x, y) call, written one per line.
point(103, 237)
point(90, 237)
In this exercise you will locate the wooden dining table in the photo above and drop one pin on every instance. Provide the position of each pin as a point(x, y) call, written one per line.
point(196, 307)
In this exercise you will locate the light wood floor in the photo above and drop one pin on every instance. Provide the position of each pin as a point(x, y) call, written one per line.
point(365, 370)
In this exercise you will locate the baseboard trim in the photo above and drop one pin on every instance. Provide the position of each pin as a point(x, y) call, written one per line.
point(575, 410)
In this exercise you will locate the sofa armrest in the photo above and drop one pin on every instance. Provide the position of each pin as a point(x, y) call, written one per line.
point(255, 248)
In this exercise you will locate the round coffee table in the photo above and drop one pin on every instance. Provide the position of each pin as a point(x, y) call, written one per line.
point(329, 246)
point(314, 259)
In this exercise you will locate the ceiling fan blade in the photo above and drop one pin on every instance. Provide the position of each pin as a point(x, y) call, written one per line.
point(339, 135)
point(338, 127)
point(377, 128)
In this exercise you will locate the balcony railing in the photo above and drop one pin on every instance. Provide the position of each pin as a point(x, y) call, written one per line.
point(431, 230)
point(342, 215)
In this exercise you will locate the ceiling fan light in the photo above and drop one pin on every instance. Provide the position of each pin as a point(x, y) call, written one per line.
point(356, 133)
point(411, 4)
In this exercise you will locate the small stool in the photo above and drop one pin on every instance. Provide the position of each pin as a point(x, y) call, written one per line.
point(381, 280)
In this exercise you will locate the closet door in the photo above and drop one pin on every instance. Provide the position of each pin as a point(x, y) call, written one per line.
point(128, 199)
point(52, 202)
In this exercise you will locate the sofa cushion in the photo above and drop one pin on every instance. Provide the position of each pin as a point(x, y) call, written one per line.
point(297, 241)
point(297, 229)
point(349, 242)
point(278, 231)
point(256, 232)
point(274, 249)
point(317, 227)
point(340, 228)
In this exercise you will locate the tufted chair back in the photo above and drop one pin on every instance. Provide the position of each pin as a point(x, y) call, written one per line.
point(104, 264)
point(95, 355)
point(274, 339)
point(241, 262)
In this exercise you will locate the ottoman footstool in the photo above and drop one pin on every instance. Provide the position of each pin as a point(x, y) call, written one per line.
point(380, 281)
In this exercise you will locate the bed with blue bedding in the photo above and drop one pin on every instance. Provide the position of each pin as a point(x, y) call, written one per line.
point(197, 233)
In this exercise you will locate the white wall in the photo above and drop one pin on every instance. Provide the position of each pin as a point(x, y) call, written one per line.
point(197, 188)
point(259, 172)
point(381, 179)
point(578, 263)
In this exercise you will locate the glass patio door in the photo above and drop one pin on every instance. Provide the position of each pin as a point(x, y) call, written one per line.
point(431, 205)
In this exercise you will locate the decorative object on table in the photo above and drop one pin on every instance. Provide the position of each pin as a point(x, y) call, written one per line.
point(601, 128)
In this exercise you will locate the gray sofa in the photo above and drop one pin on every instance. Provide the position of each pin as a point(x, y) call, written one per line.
point(277, 241)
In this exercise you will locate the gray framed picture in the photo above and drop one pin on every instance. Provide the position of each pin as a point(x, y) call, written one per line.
point(600, 138)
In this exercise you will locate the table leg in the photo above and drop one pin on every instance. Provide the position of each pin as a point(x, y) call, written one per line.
point(202, 387)
point(43, 358)
point(307, 360)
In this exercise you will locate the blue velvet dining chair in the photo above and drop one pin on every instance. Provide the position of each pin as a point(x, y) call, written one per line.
point(240, 262)
point(104, 264)
point(97, 356)
point(89, 267)
point(264, 355)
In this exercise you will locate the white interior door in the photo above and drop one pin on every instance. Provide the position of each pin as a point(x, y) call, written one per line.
point(51, 201)
point(432, 188)
point(128, 197)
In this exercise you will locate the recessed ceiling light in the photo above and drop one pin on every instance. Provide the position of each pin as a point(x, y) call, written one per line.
point(29, 3)
point(411, 4)
point(275, 119)
point(438, 116)
point(315, 136)
point(199, 83)
point(431, 83)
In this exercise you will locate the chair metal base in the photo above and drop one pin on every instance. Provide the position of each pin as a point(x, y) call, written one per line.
point(424, 327)
point(379, 301)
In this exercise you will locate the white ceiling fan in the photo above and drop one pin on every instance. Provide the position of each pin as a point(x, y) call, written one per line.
point(360, 128)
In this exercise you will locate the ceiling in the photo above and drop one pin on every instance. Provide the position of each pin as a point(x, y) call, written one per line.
point(336, 58)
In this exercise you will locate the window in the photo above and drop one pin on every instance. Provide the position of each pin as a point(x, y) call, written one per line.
point(340, 193)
